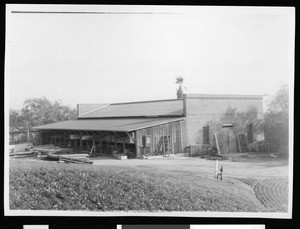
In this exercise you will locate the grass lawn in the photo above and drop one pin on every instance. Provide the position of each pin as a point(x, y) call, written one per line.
point(146, 185)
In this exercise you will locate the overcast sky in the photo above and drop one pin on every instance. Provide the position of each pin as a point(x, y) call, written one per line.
point(133, 53)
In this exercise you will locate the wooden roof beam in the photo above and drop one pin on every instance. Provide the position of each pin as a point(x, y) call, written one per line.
point(117, 135)
point(61, 132)
point(85, 132)
point(51, 132)
point(102, 135)
point(57, 132)
point(131, 137)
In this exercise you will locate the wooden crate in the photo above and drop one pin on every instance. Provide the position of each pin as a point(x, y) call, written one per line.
point(122, 157)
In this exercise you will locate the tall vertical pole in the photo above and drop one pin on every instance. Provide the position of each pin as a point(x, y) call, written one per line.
point(137, 144)
point(28, 137)
point(216, 168)
point(163, 142)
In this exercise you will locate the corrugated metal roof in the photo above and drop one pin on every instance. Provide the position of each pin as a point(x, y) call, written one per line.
point(172, 107)
point(123, 125)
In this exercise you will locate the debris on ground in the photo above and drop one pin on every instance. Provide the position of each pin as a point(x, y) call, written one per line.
point(50, 152)
point(144, 157)
point(120, 156)
point(214, 157)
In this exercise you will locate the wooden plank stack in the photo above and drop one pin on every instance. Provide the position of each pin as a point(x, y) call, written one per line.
point(69, 159)
point(50, 152)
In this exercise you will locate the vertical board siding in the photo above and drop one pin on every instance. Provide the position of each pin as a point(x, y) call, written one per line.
point(174, 130)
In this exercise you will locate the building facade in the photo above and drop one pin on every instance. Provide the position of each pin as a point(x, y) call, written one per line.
point(143, 128)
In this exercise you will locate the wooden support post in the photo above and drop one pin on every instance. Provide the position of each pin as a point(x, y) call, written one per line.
point(163, 142)
point(181, 136)
point(100, 145)
point(39, 142)
point(80, 141)
point(172, 143)
point(217, 143)
point(65, 138)
point(75, 143)
point(123, 146)
point(87, 143)
point(92, 149)
point(137, 145)
point(94, 146)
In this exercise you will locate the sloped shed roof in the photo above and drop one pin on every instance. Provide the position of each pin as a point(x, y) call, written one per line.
point(159, 108)
point(86, 108)
point(123, 125)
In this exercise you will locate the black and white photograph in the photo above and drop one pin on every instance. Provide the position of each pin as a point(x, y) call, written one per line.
point(149, 110)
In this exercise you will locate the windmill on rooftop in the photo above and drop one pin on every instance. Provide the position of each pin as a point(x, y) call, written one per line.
point(181, 88)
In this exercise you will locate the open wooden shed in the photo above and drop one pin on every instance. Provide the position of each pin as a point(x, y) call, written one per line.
point(135, 129)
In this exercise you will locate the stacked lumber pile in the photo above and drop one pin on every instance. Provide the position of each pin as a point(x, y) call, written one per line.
point(69, 159)
point(21, 150)
point(50, 152)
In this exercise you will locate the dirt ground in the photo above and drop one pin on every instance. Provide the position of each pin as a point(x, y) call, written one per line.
point(238, 165)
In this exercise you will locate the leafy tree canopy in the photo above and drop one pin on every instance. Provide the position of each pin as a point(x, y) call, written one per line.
point(276, 121)
point(39, 111)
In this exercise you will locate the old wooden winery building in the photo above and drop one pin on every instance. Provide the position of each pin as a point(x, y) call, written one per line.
point(143, 128)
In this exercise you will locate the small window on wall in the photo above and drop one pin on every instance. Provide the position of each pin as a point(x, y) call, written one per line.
point(146, 141)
